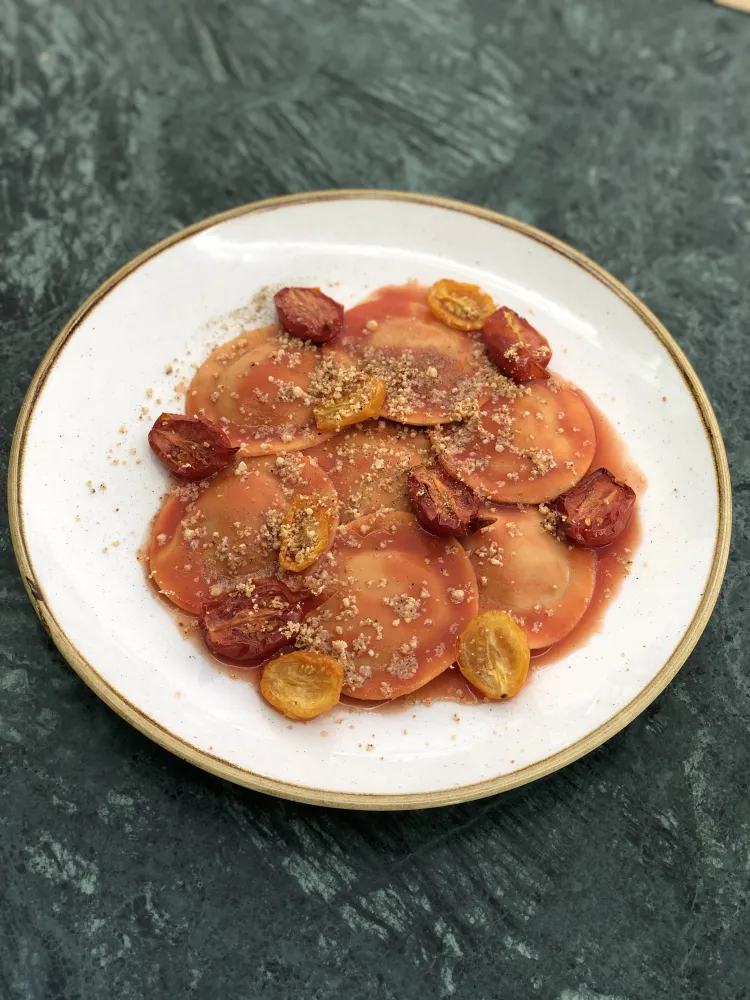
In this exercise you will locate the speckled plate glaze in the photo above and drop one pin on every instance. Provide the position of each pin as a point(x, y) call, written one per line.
point(86, 398)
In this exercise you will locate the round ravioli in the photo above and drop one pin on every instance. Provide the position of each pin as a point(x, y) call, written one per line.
point(213, 536)
point(432, 374)
point(369, 464)
point(523, 569)
point(256, 387)
point(524, 449)
point(399, 599)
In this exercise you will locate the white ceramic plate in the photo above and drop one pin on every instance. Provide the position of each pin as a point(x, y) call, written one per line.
point(164, 305)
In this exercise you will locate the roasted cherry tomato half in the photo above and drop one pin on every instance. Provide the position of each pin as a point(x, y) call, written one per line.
point(536, 343)
point(309, 314)
point(518, 350)
point(248, 626)
point(493, 655)
point(304, 533)
point(459, 305)
point(363, 402)
point(444, 505)
point(302, 684)
point(190, 447)
point(597, 510)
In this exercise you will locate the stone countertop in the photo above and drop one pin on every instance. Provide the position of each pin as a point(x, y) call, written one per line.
point(620, 127)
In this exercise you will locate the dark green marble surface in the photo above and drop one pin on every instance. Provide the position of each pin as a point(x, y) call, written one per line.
point(622, 127)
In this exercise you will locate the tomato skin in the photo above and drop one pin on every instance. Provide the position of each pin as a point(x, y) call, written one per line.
point(192, 448)
point(247, 628)
point(519, 351)
point(309, 314)
point(444, 505)
point(596, 511)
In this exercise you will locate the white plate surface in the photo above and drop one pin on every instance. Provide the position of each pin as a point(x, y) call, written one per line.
point(170, 306)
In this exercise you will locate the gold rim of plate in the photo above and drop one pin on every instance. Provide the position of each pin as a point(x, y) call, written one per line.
point(362, 800)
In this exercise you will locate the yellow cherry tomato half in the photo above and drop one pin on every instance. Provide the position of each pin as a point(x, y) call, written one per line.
point(363, 402)
point(304, 533)
point(493, 654)
point(459, 305)
point(302, 684)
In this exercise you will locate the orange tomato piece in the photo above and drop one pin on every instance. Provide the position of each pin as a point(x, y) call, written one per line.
point(304, 533)
point(459, 305)
point(302, 684)
point(521, 331)
point(493, 654)
point(364, 401)
point(505, 338)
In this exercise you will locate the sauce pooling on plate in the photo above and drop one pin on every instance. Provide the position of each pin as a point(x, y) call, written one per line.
point(333, 551)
